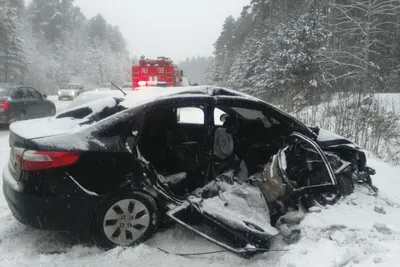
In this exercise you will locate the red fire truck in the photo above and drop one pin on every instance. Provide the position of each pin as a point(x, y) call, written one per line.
point(156, 72)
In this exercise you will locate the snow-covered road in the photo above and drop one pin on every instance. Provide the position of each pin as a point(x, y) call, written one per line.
point(361, 230)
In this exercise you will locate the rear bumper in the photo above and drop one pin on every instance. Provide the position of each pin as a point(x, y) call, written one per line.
point(59, 213)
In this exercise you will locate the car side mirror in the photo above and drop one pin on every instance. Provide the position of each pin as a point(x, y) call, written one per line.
point(44, 96)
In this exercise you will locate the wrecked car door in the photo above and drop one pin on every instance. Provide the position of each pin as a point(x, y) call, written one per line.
point(229, 213)
point(238, 213)
point(177, 142)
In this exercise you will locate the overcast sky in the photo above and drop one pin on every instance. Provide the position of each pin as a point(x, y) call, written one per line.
point(171, 28)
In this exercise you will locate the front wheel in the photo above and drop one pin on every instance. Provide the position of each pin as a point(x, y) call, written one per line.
point(126, 219)
point(345, 187)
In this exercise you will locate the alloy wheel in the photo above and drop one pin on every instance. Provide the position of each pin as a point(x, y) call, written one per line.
point(126, 221)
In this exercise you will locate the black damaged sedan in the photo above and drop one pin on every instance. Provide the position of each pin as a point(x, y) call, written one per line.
point(116, 168)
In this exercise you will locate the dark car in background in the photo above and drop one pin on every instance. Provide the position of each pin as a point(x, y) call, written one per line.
point(20, 102)
point(70, 91)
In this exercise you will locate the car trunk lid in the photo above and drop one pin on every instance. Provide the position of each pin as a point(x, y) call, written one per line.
point(27, 155)
point(45, 127)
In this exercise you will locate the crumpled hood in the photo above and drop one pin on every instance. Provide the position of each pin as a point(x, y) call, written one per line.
point(328, 138)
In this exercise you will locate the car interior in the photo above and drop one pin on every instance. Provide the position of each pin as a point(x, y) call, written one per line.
point(175, 147)
point(175, 141)
point(256, 136)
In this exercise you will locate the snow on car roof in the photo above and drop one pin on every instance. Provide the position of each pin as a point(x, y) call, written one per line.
point(65, 122)
point(94, 106)
point(148, 94)
point(90, 96)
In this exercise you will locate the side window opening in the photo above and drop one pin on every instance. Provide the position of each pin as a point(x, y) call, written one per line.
point(246, 114)
point(35, 93)
point(26, 93)
point(17, 94)
point(217, 117)
point(190, 115)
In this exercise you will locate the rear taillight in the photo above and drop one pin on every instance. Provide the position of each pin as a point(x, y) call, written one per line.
point(3, 105)
point(31, 160)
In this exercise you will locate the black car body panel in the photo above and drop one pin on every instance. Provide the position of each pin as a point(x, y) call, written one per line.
point(41, 202)
point(111, 145)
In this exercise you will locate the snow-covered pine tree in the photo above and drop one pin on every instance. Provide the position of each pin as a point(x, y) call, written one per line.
point(11, 44)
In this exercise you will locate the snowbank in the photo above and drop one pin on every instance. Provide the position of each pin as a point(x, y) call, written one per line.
point(361, 230)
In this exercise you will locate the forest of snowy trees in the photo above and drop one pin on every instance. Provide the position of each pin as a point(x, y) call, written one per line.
point(322, 60)
point(195, 68)
point(49, 42)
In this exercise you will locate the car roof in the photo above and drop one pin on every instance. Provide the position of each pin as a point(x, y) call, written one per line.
point(144, 95)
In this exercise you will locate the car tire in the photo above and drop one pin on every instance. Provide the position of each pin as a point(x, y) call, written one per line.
point(127, 219)
point(22, 116)
point(345, 187)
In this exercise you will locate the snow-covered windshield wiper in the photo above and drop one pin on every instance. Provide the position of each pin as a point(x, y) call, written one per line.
point(122, 91)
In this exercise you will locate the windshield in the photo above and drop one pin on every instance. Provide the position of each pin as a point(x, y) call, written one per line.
point(70, 86)
point(93, 108)
point(91, 96)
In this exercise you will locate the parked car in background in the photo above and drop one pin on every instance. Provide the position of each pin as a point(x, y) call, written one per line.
point(70, 91)
point(20, 102)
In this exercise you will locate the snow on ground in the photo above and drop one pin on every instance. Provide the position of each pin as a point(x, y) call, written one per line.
point(361, 230)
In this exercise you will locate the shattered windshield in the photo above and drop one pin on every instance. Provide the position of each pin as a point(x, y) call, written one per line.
point(97, 107)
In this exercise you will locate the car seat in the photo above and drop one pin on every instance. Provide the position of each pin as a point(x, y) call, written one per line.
point(224, 158)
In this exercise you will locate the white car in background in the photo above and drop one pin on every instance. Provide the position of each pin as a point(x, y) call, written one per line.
point(70, 91)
